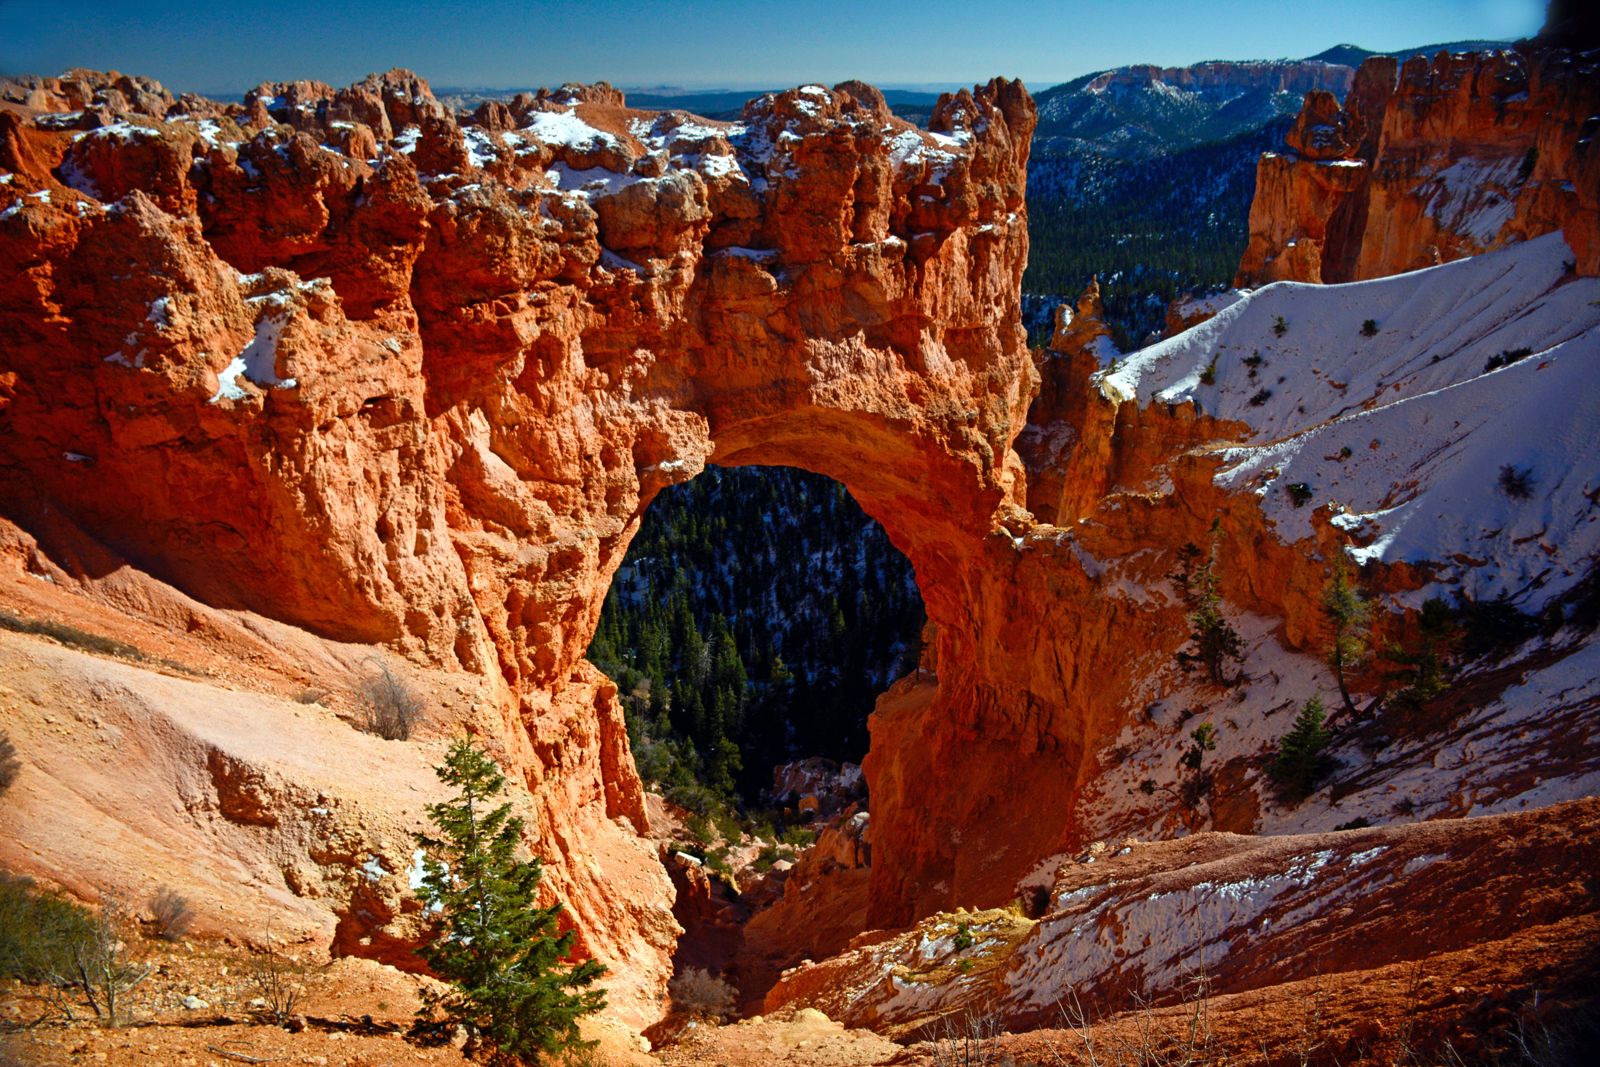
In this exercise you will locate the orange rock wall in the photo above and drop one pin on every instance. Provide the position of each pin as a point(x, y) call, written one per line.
point(1431, 161)
point(321, 361)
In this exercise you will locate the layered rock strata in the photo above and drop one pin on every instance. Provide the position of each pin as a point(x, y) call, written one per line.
point(1426, 162)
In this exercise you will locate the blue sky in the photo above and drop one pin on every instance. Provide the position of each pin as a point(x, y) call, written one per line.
point(228, 46)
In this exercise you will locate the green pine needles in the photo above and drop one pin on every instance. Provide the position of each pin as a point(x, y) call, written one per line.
point(501, 954)
point(1300, 762)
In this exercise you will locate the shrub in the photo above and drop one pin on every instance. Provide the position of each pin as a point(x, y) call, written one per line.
point(500, 953)
point(1209, 375)
point(99, 967)
point(10, 765)
point(699, 992)
point(39, 931)
point(1516, 482)
point(1280, 325)
point(393, 707)
point(1299, 494)
point(1369, 328)
point(1424, 670)
point(170, 914)
point(1506, 358)
point(963, 938)
point(274, 981)
point(1261, 397)
point(311, 696)
point(71, 636)
point(1203, 739)
point(1300, 761)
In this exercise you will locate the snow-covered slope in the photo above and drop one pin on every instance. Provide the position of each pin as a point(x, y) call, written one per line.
point(1447, 415)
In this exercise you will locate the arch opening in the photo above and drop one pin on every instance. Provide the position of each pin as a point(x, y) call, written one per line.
point(757, 616)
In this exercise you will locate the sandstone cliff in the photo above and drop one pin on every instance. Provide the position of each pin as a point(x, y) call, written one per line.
point(1430, 161)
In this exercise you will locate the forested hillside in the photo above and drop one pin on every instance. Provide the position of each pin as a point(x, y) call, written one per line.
point(757, 617)
point(1151, 228)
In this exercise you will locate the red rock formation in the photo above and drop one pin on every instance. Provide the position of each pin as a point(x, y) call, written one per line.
point(1247, 913)
point(421, 398)
point(1429, 163)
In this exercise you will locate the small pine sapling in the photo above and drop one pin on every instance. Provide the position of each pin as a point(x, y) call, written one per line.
point(1348, 615)
point(510, 984)
point(1301, 762)
point(1214, 640)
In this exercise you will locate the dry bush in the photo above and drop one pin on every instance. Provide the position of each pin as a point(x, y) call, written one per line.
point(10, 765)
point(970, 1039)
point(311, 696)
point(275, 982)
point(393, 708)
point(699, 992)
point(99, 966)
point(170, 914)
point(1153, 1039)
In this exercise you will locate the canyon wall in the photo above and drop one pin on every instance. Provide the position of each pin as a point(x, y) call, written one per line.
point(1426, 162)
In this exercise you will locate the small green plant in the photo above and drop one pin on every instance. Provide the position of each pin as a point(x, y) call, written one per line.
point(1253, 360)
point(799, 837)
point(1261, 397)
point(1424, 670)
point(1299, 494)
point(10, 765)
point(1345, 452)
point(963, 938)
point(511, 983)
point(1300, 761)
point(1280, 326)
point(39, 931)
point(1209, 375)
point(1202, 739)
point(1369, 328)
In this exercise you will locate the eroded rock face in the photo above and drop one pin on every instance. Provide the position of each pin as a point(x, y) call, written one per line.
point(1245, 913)
point(338, 358)
point(1429, 162)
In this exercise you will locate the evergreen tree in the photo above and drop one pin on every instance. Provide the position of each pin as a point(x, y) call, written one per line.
point(1215, 641)
point(1300, 761)
point(1348, 615)
point(1424, 670)
point(502, 956)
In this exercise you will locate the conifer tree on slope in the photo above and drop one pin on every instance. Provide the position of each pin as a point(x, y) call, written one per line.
point(501, 954)
point(1348, 615)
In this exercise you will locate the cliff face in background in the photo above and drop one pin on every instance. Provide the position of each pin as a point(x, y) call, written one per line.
point(1430, 161)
